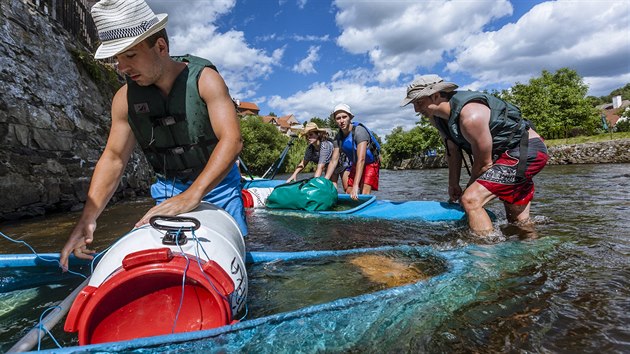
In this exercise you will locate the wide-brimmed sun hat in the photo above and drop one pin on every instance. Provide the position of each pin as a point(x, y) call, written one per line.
point(342, 107)
point(310, 127)
point(122, 24)
point(426, 85)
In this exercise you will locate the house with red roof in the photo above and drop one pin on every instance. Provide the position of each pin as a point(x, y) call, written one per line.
point(613, 110)
point(246, 108)
point(286, 124)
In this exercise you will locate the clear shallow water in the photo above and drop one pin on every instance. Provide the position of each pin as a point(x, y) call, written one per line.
point(564, 291)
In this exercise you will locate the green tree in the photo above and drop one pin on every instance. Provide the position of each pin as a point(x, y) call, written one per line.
point(556, 104)
point(331, 121)
point(262, 144)
point(596, 101)
point(322, 123)
point(295, 155)
point(403, 144)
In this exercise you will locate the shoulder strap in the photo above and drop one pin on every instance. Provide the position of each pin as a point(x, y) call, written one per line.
point(373, 145)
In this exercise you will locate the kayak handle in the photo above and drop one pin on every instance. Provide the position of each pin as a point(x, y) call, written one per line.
point(174, 233)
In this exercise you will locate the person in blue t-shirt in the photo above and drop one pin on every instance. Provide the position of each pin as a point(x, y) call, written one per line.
point(355, 141)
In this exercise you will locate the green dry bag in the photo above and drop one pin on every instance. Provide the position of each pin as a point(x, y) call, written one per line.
point(308, 194)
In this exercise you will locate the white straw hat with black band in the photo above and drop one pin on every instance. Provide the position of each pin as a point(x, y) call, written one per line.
point(122, 24)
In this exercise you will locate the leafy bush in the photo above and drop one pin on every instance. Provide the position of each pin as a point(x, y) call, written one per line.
point(262, 144)
point(623, 125)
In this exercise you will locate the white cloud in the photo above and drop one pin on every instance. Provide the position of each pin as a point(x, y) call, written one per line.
point(405, 38)
point(194, 12)
point(305, 66)
point(293, 37)
point(375, 106)
point(192, 31)
point(591, 37)
point(604, 85)
point(401, 36)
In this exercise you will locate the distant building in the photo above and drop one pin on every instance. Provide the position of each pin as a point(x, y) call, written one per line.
point(286, 124)
point(246, 108)
point(610, 109)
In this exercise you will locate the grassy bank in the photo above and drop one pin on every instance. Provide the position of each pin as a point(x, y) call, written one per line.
point(588, 139)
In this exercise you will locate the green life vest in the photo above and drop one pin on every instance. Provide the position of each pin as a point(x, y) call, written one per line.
point(175, 131)
point(507, 126)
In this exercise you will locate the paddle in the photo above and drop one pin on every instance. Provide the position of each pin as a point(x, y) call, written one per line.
point(30, 339)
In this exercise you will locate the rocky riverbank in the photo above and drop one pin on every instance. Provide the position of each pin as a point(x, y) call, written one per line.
point(54, 118)
point(613, 151)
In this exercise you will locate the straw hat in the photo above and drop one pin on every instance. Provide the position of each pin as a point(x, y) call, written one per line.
point(310, 126)
point(426, 85)
point(122, 24)
point(343, 107)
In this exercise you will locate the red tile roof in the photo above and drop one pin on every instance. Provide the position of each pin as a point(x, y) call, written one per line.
point(269, 119)
point(247, 108)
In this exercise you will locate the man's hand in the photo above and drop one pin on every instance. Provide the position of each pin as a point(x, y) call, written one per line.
point(80, 238)
point(354, 192)
point(454, 193)
point(178, 204)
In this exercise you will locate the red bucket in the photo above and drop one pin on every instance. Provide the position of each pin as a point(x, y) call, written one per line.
point(143, 299)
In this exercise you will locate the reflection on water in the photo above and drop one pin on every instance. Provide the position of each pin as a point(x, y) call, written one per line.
point(561, 287)
point(281, 286)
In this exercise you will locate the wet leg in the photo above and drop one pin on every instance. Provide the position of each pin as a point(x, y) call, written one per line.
point(473, 200)
point(518, 216)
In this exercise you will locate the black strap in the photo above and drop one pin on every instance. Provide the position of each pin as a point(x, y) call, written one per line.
point(462, 151)
point(168, 120)
point(371, 145)
point(178, 150)
point(189, 174)
point(522, 156)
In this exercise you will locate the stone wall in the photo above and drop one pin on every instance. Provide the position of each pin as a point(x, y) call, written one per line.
point(614, 151)
point(54, 119)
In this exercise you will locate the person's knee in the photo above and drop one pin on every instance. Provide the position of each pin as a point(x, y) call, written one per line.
point(471, 201)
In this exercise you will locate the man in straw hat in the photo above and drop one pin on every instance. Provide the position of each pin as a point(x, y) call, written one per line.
point(177, 109)
point(494, 133)
point(319, 150)
point(358, 144)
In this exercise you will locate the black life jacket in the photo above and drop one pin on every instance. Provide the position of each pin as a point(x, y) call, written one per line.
point(175, 131)
point(507, 126)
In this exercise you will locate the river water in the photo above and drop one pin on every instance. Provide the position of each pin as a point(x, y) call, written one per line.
point(560, 287)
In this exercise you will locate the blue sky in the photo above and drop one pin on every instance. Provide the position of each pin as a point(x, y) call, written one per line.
point(302, 57)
